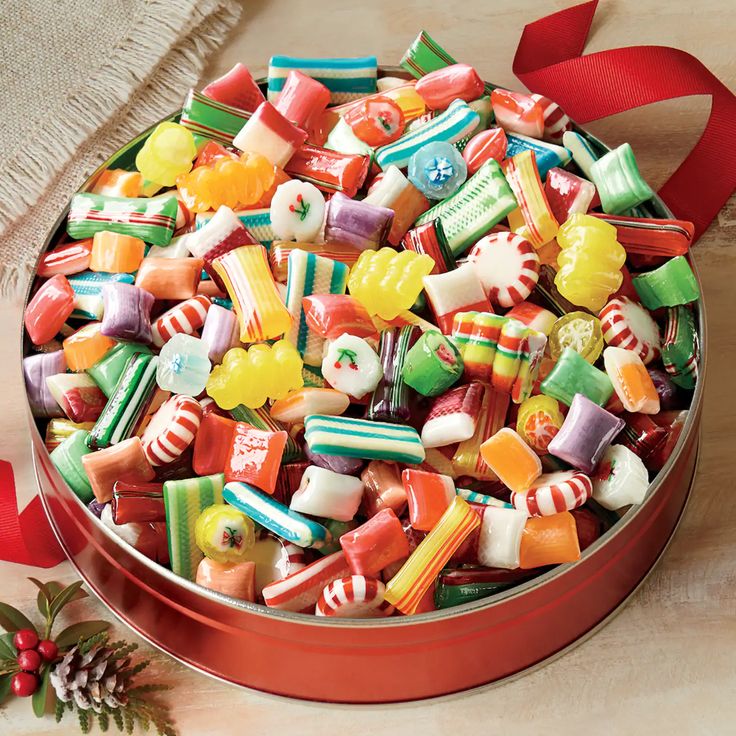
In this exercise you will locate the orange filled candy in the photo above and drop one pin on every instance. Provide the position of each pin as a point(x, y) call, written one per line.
point(511, 459)
point(85, 347)
point(549, 540)
point(116, 253)
point(235, 183)
point(119, 183)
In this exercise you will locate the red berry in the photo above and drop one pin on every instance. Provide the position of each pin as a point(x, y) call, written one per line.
point(24, 684)
point(29, 660)
point(337, 365)
point(47, 649)
point(354, 366)
point(25, 639)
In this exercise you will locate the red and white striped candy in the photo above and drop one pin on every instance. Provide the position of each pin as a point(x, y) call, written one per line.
point(301, 590)
point(553, 493)
point(186, 317)
point(507, 266)
point(626, 324)
point(354, 597)
point(556, 122)
point(171, 429)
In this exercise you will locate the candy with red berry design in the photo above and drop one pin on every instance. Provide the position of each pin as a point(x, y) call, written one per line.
point(507, 266)
point(352, 366)
point(376, 120)
point(297, 211)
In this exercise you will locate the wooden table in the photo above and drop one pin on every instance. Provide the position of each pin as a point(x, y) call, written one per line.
point(665, 664)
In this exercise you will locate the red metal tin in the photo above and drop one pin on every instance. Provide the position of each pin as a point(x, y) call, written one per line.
point(421, 656)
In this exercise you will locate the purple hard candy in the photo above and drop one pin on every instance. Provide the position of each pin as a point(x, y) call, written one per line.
point(666, 389)
point(97, 508)
point(220, 332)
point(127, 313)
point(360, 224)
point(36, 369)
point(585, 434)
point(335, 463)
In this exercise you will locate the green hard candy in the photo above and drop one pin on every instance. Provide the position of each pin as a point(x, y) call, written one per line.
point(432, 365)
point(446, 596)
point(670, 285)
point(67, 459)
point(107, 370)
point(618, 181)
point(571, 375)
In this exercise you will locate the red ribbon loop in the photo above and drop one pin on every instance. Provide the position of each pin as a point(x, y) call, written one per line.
point(549, 61)
point(24, 538)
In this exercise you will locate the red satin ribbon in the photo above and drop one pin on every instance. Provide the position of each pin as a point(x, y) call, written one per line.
point(549, 61)
point(24, 538)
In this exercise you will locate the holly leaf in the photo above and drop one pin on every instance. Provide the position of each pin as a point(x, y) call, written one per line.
point(4, 687)
point(82, 630)
point(44, 699)
point(7, 648)
point(11, 619)
point(46, 593)
point(71, 593)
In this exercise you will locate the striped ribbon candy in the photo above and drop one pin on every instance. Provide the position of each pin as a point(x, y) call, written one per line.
point(553, 493)
point(354, 597)
point(171, 430)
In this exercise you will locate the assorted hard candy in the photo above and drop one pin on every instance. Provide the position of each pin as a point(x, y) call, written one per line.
point(363, 347)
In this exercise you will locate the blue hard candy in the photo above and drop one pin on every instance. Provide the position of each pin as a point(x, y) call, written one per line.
point(437, 170)
point(183, 365)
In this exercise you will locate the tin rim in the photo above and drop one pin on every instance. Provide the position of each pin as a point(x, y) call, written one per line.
point(440, 614)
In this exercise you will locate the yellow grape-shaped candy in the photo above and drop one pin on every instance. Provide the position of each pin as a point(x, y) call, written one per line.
point(253, 376)
point(388, 282)
point(590, 261)
point(166, 154)
point(224, 533)
point(235, 183)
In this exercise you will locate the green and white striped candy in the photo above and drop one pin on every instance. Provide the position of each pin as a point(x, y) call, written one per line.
point(184, 501)
point(152, 220)
point(482, 202)
point(131, 397)
point(327, 435)
point(212, 119)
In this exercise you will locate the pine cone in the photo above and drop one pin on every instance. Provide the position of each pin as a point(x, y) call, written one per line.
point(90, 678)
